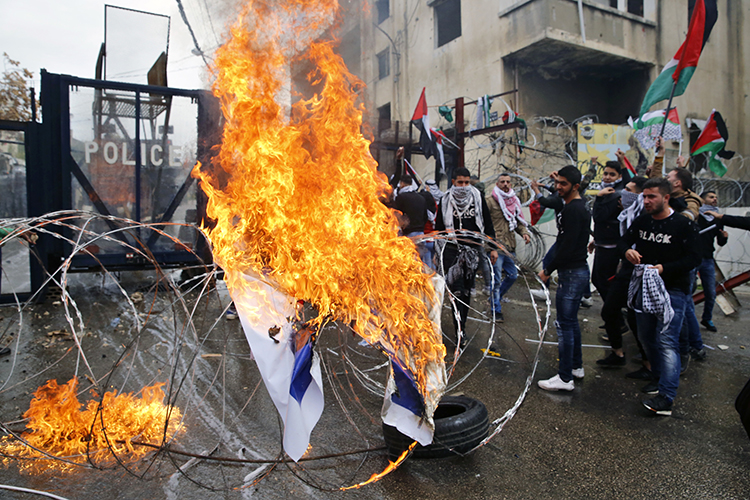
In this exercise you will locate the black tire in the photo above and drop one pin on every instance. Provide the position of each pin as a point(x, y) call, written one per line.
point(461, 423)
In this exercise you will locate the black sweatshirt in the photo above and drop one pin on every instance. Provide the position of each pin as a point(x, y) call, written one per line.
point(414, 206)
point(736, 221)
point(705, 241)
point(469, 222)
point(606, 225)
point(573, 230)
point(669, 242)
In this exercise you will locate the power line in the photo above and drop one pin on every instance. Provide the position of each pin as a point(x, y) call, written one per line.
point(192, 34)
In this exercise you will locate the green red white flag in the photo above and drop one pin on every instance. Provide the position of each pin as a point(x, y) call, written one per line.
point(680, 69)
point(648, 127)
point(712, 140)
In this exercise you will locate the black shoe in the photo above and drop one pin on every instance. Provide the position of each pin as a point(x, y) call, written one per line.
point(698, 355)
point(651, 388)
point(603, 327)
point(4, 351)
point(499, 318)
point(709, 325)
point(684, 363)
point(612, 361)
point(659, 405)
point(638, 358)
point(604, 337)
point(641, 374)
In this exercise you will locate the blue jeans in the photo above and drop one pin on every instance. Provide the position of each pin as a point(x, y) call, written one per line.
point(663, 348)
point(571, 285)
point(690, 333)
point(424, 253)
point(503, 264)
point(708, 279)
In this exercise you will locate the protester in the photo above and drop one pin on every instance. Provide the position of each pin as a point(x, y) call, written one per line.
point(606, 228)
point(414, 206)
point(507, 219)
point(573, 226)
point(709, 229)
point(631, 201)
point(463, 207)
point(664, 254)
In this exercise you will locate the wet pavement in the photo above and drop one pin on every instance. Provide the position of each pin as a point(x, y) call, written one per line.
point(596, 442)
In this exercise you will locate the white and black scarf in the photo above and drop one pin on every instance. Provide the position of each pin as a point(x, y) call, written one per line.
point(459, 200)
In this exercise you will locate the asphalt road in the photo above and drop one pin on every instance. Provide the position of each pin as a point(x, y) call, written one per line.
point(596, 442)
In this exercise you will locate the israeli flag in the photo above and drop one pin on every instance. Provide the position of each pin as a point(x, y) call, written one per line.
point(404, 407)
point(286, 360)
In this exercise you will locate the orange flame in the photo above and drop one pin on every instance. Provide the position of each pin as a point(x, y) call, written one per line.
point(295, 192)
point(59, 428)
point(390, 468)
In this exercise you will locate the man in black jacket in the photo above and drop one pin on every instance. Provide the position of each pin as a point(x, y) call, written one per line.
point(709, 229)
point(463, 208)
point(663, 241)
point(606, 229)
point(573, 228)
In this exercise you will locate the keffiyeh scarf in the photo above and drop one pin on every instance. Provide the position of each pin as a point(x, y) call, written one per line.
point(647, 294)
point(511, 206)
point(458, 201)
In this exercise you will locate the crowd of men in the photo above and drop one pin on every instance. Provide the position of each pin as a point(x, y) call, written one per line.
point(651, 236)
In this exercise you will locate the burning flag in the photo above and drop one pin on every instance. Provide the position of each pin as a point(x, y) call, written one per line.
point(294, 194)
point(712, 140)
point(676, 75)
point(648, 127)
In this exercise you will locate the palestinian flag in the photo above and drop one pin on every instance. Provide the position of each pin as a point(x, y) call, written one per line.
point(422, 122)
point(439, 156)
point(712, 140)
point(648, 127)
point(680, 69)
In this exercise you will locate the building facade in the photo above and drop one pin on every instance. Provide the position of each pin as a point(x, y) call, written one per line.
point(564, 58)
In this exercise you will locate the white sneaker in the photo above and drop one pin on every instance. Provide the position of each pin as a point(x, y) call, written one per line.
point(539, 293)
point(556, 384)
point(578, 373)
point(587, 302)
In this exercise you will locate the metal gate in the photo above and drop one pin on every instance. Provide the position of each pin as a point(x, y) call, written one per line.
point(125, 150)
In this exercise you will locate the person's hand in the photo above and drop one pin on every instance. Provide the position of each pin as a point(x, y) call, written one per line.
point(648, 170)
point(30, 237)
point(715, 214)
point(682, 161)
point(633, 257)
point(400, 153)
point(659, 146)
point(526, 238)
point(591, 247)
point(620, 155)
point(724, 233)
point(658, 267)
point(493, 257)
point(535, 186)
point(593, 160)
point(543, 276)
point(553, 175)
point(606, 191)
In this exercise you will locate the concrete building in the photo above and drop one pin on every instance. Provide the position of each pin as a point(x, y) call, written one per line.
point(566, 58)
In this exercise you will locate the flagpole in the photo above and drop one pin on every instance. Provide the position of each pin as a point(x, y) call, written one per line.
point(666, 116)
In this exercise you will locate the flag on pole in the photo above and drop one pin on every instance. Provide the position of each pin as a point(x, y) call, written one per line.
point(440, 156)
point(680, 69)
point(285, 357)
point(648, 127)
point(712, 140)
point(421, 120)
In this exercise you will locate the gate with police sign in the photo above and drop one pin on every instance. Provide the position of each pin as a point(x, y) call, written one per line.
point(126, 151)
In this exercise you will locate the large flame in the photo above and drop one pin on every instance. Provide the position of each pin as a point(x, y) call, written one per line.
point(296, 196)
point(58, 427)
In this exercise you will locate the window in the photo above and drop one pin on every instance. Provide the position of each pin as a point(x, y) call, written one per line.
point(384, 68)
point(384, 9)
point(447, 20)
point(384, 117)
point(635, 7)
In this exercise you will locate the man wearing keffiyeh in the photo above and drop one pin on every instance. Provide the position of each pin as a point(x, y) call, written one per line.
point(507, 218)
point(463, 209)
point(665, 241)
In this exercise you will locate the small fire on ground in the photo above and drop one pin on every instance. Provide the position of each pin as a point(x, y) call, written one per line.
point(120, 425)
